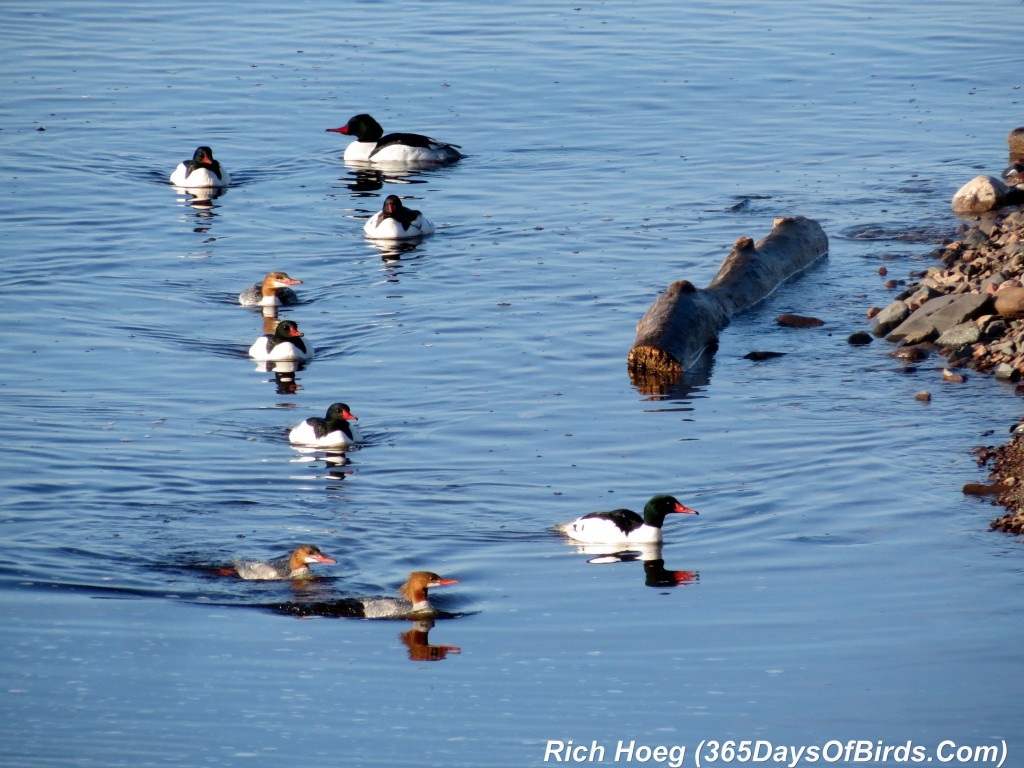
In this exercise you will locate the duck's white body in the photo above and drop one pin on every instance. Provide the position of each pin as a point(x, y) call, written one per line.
point(285, 344)
point(201, 172)
point(600, 531)
point(398, 154)
point(380, 226)
point(335, 430)
point(306, 434)
point(199, 178)
point(284, 351)
point(623, 526)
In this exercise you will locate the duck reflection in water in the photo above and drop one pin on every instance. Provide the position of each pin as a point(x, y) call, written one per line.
point(417, 641)
point(392, 251)
point(285, 372)
point(367, 182)
point(655, 572)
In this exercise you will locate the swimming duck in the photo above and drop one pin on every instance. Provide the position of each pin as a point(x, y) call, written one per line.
point(413, 149)
point(396, 222)
point(332, 431)
point(201, 171)
point(295, 566)
point(413, 604)
point(625, 525)
point(274, 291)
point(285, 344)
point(414, 600)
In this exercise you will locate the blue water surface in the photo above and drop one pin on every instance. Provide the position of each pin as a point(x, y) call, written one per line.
point(839, 585)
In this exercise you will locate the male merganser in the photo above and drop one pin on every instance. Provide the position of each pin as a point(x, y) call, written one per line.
point(285, 344)
point(201, 171)
point(396, 222)
point(295, 566)
point(332, 431)
point(625, 525)
point(372, 146)
point(414, 603)
point(274, 291)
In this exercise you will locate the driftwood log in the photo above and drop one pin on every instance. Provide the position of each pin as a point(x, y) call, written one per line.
point(685, 320)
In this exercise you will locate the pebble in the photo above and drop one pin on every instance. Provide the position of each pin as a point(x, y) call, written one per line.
point(798, 321)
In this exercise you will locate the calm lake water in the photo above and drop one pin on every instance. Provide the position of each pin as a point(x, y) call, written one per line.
point(843, 587)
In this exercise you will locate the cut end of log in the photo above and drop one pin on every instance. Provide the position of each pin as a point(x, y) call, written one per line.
point(643, 358)
point(653, 371)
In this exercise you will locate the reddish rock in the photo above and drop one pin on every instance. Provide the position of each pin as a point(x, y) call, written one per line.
point(1009, 303)
point(798, 321)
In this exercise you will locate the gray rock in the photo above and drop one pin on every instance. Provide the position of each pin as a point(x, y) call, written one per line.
point(890, 317)
point(937, 316)
point(961, 335)
point(994, 279)
point(980, 194)
point(1006, 372)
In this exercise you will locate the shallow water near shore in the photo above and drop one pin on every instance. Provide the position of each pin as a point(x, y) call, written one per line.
point(837, 583)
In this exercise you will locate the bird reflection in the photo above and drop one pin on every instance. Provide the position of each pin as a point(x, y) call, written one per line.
point(655, 572)
point(366, 182)
point(393, 250)
point(417, 641)
point(337, 464)
point(200, 198)
point(285, 374)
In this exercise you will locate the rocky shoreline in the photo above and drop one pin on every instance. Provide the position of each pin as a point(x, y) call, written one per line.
point(969, 307)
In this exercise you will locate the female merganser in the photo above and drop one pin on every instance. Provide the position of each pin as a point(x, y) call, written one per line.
point(396, 222)
point(285, 344)
point(201, 171)
point(414, 600)
point(372, 146)
point(272, 292)
point(295, 566)
point(624, 525)
point(332, 431)
point(413, 604)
